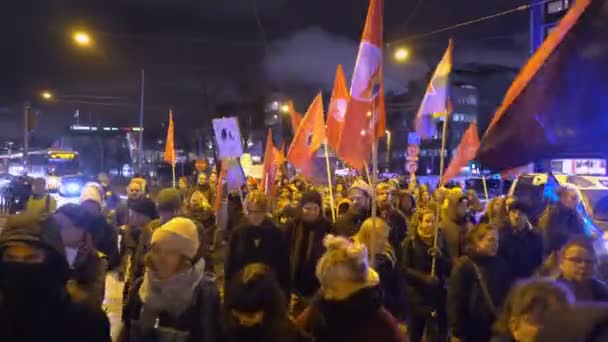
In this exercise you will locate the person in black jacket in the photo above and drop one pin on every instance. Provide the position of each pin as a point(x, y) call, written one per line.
point(256, 309)
point(426, 293)
point(521, 247)
point(173, 300)
point(258, 239)
point(34, 305)
point(374, 234)
point(561, 221)
point(306, 244)
point(393, 216)
point(477, 286)
point(360, 197)
point(454, 224)
point(577, 262)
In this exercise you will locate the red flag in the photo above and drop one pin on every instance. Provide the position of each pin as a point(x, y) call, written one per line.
point(270, 159)
point(466, 151)
point(296, 118)
point(337, 109)
point(366, 94)
point(169, 144)
point(309, 137)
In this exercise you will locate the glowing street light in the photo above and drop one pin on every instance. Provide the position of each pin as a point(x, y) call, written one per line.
point(402, 54)
point(82, 38)
point(46, 95)
point(285, 108)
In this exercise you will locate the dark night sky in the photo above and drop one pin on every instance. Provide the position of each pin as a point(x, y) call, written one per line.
point(201, 53)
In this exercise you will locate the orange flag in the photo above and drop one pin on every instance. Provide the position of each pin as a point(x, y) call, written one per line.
point(309, 137)
point(296, 118)
point(366, 94)
point(337, 109)
point(170, 144)
point(270, 160)
point(466, 151)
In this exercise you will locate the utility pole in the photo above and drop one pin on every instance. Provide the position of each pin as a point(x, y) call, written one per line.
point(27, 117)
point(141, 125)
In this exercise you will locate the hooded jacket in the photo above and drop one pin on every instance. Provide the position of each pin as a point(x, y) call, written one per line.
point(453, 227)
point(53, 316)
point(521, 249)
point(306, 247)
point(469, 313)
point(558, 224)
point(266, 244)
point(359, 318)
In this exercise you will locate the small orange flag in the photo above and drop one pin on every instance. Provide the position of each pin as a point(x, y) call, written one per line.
point(271, 154)
point(309, 137)
point(170, 143)
point(337, 109)
point(466, 151)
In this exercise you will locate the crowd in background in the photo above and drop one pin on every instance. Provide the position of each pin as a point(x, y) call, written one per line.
point(294, 264)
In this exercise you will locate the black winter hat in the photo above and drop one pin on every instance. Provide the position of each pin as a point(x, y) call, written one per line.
point(169, 199)
point(144, 206)
point(311, 196)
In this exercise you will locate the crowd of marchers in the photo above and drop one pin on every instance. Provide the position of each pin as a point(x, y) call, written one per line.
point(297, 262)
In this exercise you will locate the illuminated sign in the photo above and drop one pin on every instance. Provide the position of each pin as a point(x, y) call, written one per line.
point(590, 167)
point(62, 155)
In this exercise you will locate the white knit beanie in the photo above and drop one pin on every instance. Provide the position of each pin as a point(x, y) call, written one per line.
point(179, 234)
point(91, 192)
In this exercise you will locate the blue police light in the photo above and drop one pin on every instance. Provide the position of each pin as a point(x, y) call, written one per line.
point(71, 189)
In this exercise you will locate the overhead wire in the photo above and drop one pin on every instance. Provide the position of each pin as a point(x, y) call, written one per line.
point(470, 22)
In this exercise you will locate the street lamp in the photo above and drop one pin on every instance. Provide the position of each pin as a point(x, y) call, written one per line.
point(285, 108)
point(82, 38)
point(46, 95)
point(401, 54)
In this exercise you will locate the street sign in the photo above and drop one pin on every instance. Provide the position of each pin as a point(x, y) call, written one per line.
point(412, 158)
point(413, 138)
point(413, 150)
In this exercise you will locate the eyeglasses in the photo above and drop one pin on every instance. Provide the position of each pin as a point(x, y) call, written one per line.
point(581, 260)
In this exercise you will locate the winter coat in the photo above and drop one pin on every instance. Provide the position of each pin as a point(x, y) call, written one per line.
point(105, 238)
point(453, 229)
point(558, 224)
point(399, 228)
point(582, 322)
point(87, 282)
point(359, 318)
point(277, 330)
point(522, 250)
point(597, 290)
point(348, 224)
point(392, 284)
point(266, 244)
point(469, 313)
point(199, 323)
point(71, 322)
point(424, 298)
point(306, 246)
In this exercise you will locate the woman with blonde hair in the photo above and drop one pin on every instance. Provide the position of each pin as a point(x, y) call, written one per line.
point(349, 305)
point(374, 235)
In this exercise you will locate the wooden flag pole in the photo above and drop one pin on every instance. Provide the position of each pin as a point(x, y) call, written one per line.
point(329, 184)
point(373, 176)
point(441, 165)
point(485, 187)
point(173, 170)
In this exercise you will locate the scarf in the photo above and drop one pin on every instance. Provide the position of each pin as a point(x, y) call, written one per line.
point(173, 295)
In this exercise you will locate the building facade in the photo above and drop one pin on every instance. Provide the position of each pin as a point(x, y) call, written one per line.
point(543, 18)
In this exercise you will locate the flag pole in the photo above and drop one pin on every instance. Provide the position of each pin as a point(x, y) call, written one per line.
point(485, 187)
point(173, 170)
point(441, 165)
point(330, 186)
point(373, 176)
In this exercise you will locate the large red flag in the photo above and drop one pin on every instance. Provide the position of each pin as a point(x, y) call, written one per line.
point(309, 137)
point(337, 109)
point(270, 159)
point(296, 117)
point(170, 143)
point(366, 94)
point(466, 151)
